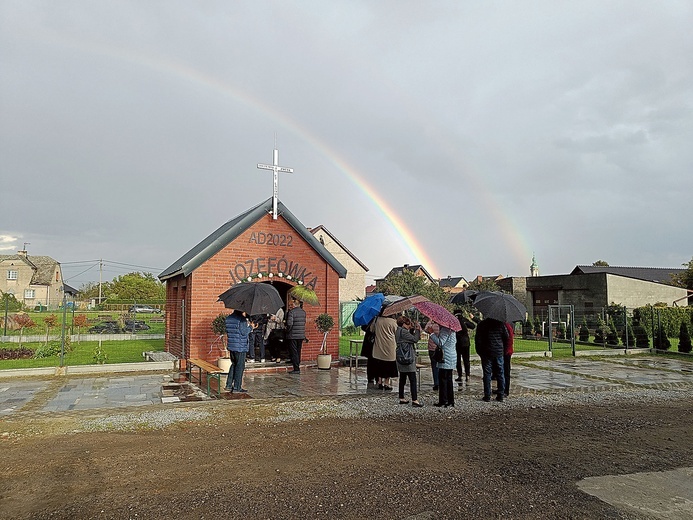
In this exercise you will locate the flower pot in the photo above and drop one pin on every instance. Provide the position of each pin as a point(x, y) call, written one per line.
point(324, 361)
point(224, 364)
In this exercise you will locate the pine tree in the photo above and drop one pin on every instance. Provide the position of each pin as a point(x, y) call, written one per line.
point(642, 340)
point(584, 334)
point(612, 334)
point(660, 340)
point(684, 338)
point(631, 335)
point(600, 332)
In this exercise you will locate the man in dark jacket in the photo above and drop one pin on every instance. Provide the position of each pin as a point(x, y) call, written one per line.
point(237, 331)
point(490, 340)
point(462, 346)
point(296, 333)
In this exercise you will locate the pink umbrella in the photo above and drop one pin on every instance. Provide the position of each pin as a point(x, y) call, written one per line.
point(402, 305)
point(439, 314)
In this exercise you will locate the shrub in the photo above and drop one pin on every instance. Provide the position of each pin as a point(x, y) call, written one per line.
point(584, 333)
point(612, 334)
point(16, 353)
point(99, 356)
point(53, 348)
point(660, 340)
point(631, 335)
point(560, 331)
point(684, 338)
point(527, 327)
point(219, 324)
point(350, 330)
point(600, 332)
point(642, 339)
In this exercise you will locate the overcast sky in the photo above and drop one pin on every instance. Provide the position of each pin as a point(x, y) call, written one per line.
point(463, 135)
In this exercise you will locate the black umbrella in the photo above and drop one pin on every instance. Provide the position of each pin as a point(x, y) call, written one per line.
point(500, 306)
point(464, 297)
point(252, 298)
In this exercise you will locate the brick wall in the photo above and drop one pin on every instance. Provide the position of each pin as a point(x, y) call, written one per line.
point(267, 246)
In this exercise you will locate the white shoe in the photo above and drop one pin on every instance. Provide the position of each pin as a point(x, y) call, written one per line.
point(251, 361)
point(262, 361)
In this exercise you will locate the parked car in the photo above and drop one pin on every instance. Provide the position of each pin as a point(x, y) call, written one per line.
point(107, 327)
point(147, 309)
point(131, 325)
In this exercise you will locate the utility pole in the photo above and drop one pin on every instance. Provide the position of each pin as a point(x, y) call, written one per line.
point(100, 274)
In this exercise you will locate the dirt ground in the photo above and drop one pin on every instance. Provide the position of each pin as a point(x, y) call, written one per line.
point(521, 464)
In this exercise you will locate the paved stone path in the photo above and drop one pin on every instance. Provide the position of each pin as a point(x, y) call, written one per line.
point(84, 392)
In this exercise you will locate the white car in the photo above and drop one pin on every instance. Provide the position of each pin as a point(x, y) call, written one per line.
point(146, 309)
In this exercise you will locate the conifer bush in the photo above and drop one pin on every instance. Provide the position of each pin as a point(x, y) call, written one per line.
point(684, 338)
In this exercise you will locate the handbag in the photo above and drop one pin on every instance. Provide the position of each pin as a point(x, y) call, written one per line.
point(438, 355)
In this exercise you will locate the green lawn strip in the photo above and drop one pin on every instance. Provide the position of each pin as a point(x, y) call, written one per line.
point(129, 351)
point(93, 316)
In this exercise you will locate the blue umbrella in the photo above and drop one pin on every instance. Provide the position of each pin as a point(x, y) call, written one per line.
point(368, 309)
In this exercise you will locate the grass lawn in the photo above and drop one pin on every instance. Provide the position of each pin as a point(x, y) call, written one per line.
point(93, 316)
point(129, 351)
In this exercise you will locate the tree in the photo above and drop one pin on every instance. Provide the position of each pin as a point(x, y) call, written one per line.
point(642, 339)
point(485, 284)
point(50, 321)
point(407, 283)
point(600, 263)
point(23, 321)
point(684, 338)
point(684, 279)
point(584, 333)
point(137, 286)
point(79, 322)
point(13, 304)
point(631, 335)
point(600, 332)
point(612, 334)
point(660, 340)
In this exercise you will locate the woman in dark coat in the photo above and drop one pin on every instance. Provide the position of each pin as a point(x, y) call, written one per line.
point(407, 335)
point(462, 346)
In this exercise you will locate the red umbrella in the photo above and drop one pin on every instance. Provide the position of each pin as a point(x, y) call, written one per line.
point(439, 314)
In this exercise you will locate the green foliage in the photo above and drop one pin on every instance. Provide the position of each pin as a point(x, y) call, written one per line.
point(135, 286)
point(528, 327)
point(324, 322)
point(642, 338)
point(600, 263)
point(684, 338)
point(219, 324)
point(537, 325)
point(52, 348)
point(631, 335)
point(600, 332)
point(560, 331)
point(612, 333)
point(684, 279)
point(100, 357)
point(584, 333)
point(485, 284)
point(669, 317)
point(351, 330)
point(660, 340)
point(13, 305)
point(407, 283)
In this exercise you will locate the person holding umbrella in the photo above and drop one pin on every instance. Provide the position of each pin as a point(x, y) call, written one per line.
point(491, 338)
point(237, 331)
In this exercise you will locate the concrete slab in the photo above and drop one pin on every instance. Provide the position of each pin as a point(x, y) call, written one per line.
point(662, 494)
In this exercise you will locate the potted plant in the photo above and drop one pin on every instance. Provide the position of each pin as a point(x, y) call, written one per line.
point(219, 328)
point(324, 323)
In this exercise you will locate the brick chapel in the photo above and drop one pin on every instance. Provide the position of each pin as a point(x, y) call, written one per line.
point(253, 247)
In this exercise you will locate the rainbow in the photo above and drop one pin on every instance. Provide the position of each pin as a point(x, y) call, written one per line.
point(408, 240)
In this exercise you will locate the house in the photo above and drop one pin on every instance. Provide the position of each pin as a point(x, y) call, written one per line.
point(418, 270)
point(353, 286)
point(453, 284)
point(253, 247)
point(589, 290)
point(33, 280)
